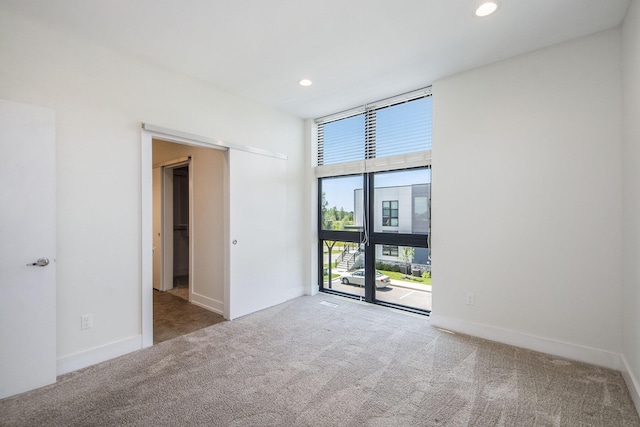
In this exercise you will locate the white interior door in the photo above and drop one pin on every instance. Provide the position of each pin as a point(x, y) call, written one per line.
point(163, 228)
point(257, 193)
point(27, 230)
point(167, 228)
point(163, 223)
point(157, 228)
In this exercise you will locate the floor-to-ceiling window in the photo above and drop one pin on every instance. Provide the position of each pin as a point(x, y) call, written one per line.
point(341, 198)
point(374, 202)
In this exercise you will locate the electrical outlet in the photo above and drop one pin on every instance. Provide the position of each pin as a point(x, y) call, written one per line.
point(471, 299)
point(86, 321)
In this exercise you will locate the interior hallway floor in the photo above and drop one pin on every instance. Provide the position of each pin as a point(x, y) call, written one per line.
point(174, 315)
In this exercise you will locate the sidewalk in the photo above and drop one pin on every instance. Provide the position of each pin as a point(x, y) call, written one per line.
point(394, 282)
point(409, 285)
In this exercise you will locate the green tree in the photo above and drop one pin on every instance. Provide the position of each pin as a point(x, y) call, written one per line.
point(332, 217)
point(406, 255)
point(323, 209)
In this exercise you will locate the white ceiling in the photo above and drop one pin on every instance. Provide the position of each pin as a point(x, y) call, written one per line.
point(355, 51)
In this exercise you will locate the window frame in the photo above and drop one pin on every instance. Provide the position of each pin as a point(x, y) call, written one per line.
point(388, 213)
point(374, 238)
point(367, 166)
point(390, 250)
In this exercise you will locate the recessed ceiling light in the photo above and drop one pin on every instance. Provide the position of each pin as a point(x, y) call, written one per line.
point(486, 8)
point(305, 82)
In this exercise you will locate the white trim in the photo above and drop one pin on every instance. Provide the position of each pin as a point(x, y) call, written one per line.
point(311, 142)
point(567, 350)
point(295, 292)
point(190, 138)
point(180, 161)
point(632, 383)
point(146, 238)
point(207, 303)
point(98, 354)
point(401, 161)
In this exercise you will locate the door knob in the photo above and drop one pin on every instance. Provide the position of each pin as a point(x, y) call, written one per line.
point(41, 262)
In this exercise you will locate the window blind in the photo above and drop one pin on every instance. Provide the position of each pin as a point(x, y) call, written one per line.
point(382, 135)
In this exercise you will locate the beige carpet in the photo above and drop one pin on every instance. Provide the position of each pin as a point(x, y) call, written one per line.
point(327, 361)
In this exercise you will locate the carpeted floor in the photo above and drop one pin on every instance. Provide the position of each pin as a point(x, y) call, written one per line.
point(328, 361)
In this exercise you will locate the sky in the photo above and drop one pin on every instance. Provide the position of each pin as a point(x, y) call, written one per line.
point(339, 191)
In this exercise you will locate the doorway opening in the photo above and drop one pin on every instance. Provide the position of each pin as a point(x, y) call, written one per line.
point(171, 225)
point(227, 238)
point(178, 306)
point(180, 232)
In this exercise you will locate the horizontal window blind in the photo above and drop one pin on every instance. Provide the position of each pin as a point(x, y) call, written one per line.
point(391, 128)
point(401, 128)
point(342, 140)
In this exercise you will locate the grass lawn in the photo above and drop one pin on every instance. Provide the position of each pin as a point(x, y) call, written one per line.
point(403, 277)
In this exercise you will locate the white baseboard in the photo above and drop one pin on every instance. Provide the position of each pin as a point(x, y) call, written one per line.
point(567, 350)
point(632, 383)
point(293, 293)
point(99, 354)
point(207, 303)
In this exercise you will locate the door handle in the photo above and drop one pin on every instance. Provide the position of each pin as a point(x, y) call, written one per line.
point(41, 262)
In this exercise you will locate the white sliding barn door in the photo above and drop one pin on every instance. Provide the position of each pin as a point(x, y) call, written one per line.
point(27, 248)
point(257, 230)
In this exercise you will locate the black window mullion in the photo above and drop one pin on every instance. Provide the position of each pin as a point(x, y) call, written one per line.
point(320, 264)
point(370, 247)
point(396, 239)
point(341, 236)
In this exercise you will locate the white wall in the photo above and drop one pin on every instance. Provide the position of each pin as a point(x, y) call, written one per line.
point(209, 170)
point(100, 96)
point(631, 212)
point(527, 200)
point(310, 205)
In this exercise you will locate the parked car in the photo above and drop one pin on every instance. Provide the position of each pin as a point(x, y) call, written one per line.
point(357, 278)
